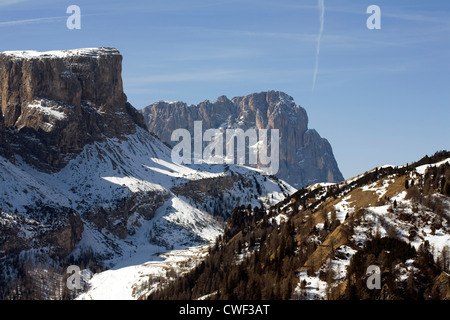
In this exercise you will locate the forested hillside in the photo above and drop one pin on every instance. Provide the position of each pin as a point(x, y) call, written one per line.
point(319, 242)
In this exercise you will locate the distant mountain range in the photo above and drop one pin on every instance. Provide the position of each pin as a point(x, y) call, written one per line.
point(304, 158)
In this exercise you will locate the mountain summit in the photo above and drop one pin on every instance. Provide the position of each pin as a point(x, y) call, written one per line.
point(305, 157)
point(56, 102)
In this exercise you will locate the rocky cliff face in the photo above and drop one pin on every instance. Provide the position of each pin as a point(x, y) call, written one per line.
point(54, 103)
point(57, 229)
point(305, 157)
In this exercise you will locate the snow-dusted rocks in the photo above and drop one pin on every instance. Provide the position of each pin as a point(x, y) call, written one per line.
point(83, 52)
point(304, 156)
point(56, 102)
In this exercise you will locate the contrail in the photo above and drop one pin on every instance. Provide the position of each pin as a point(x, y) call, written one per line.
point(319, 38)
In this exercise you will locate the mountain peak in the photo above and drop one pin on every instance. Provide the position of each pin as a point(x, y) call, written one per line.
point(56, 102)
point(269, 97)
point(305, 157)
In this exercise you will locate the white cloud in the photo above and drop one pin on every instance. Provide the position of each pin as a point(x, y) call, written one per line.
point(319, 38)
point(208, 75)
point(4, 3)
point(29, 21)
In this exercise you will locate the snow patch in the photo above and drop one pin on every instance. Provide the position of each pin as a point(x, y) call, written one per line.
point(42, 106)
point(423, 168)
point(33, 54)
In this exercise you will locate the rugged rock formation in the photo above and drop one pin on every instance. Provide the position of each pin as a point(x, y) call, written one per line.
point(58, 229)
point(305, 157)
point(441, 286)
point(116, 218)
point(54, 103)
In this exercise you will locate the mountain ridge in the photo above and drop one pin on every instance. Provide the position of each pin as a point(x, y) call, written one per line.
point(304, 158)
point(57, 102)
point(318, 242)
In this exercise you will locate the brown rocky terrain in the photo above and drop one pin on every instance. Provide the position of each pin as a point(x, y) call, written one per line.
point(54, 103)
point(305, 157)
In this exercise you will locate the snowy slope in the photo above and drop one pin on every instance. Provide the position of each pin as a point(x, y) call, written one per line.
point(134, 280)
point(107, 172)
point(412, 222)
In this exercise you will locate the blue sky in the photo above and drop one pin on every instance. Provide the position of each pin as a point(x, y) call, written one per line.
point(380, 96)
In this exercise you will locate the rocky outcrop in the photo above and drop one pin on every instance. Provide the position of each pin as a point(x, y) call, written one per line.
point(54, 103)
point(57, 229)
point(117, 218)
point(305, 157)
point(441, 286)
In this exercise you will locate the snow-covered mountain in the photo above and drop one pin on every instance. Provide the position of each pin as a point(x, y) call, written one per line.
point(84, 183)
point(304, 156)
point(326, 240)
point(121, 191)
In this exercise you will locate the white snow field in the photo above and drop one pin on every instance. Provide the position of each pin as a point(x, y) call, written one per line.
point(115, 169)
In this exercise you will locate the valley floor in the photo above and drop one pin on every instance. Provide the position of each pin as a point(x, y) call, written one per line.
point(133, 282)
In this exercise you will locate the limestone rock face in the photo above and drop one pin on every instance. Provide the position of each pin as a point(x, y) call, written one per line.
point(304, 158)
point(54, 103)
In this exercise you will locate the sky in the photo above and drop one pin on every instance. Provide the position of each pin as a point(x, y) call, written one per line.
point(379, 96)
